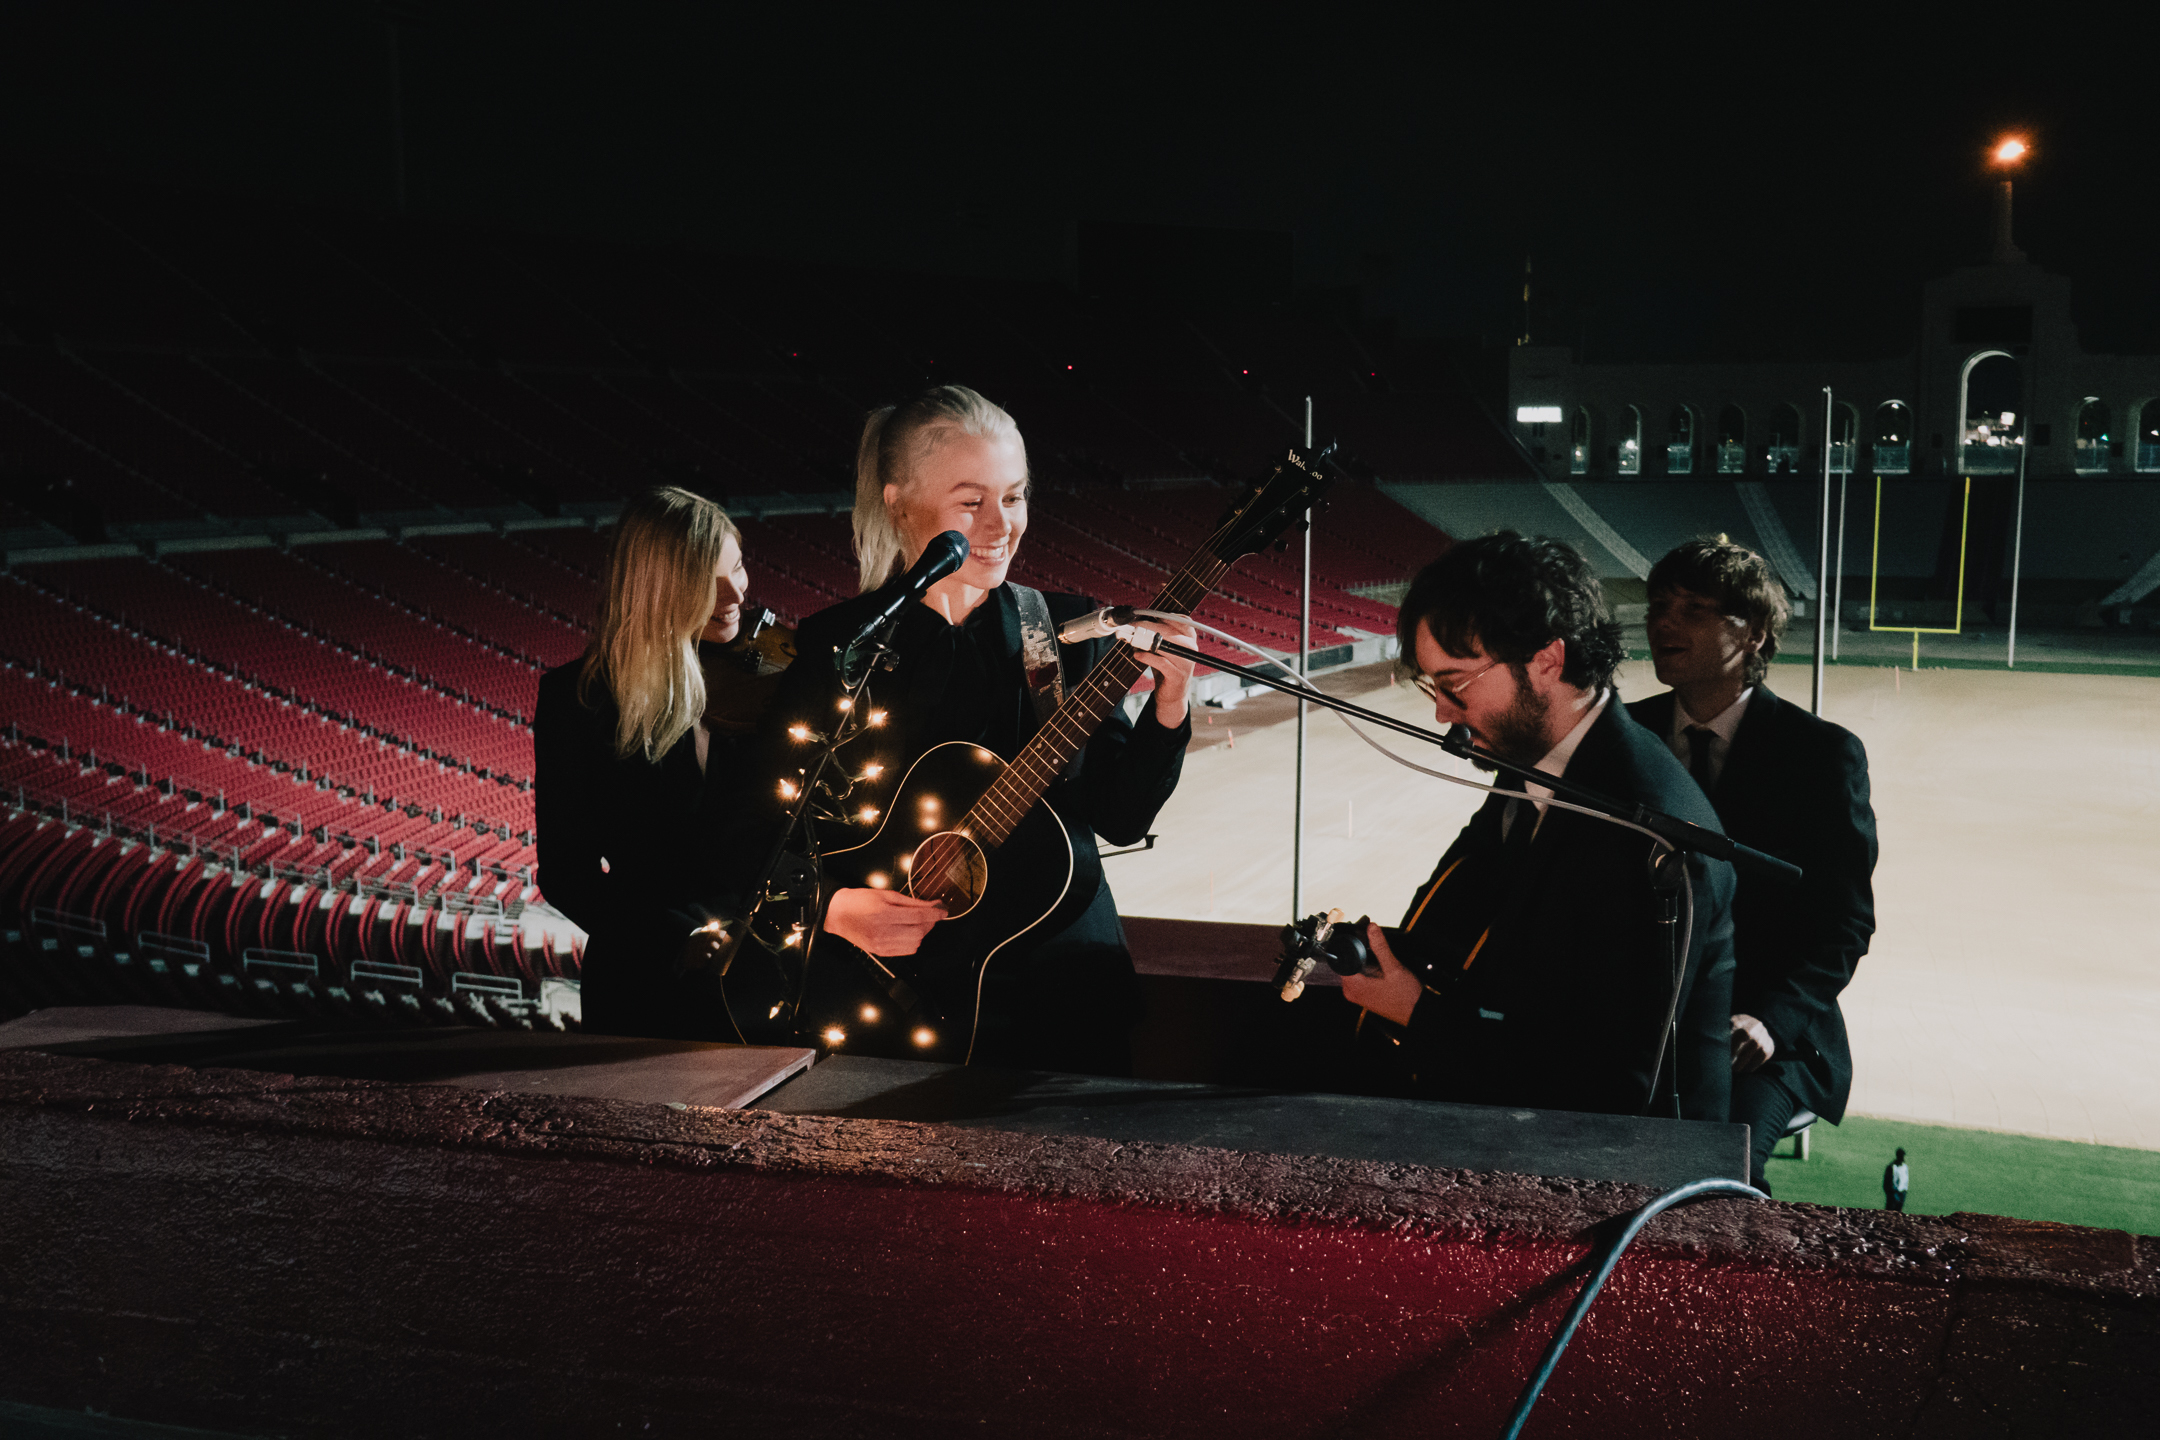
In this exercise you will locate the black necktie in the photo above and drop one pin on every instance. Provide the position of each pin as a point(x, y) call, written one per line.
point(1698, 740)
point(1522, 818)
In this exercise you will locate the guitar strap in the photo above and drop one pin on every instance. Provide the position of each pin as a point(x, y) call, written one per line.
point(1040, 661)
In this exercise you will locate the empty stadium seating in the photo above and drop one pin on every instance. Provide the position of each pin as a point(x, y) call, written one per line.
point(300, 505)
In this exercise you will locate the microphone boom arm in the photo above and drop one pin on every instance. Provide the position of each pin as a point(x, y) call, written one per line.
point(1678, 833)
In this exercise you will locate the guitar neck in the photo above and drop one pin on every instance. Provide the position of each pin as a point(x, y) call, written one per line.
point(1067, 732)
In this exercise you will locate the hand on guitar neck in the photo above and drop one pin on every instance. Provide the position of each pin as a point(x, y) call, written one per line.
point(881, 922)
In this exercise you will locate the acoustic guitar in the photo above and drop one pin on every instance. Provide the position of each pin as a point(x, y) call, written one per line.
point(966, 829)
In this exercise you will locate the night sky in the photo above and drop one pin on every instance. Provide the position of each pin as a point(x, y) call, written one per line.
point(1688, 189)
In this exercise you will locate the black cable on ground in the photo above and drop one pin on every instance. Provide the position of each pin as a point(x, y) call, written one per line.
point(1566, 1332)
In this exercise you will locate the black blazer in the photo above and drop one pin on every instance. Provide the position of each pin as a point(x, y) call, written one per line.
point(654, 825)
point(1796, 786)
point(1563, 1003)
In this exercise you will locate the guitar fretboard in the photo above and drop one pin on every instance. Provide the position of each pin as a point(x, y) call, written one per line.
point(1066, 733)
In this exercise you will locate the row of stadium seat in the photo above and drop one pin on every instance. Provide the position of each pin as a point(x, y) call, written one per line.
point(132, 766)
point(200, 650)
point(414, 581)
point(88, 916)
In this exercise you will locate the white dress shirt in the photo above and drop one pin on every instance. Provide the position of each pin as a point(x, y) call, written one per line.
point(1555, 763)
point(1722, 730)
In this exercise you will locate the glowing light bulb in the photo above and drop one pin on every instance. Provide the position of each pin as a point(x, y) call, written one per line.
point(924, 1037)
point(773, 1014)
point(880, 881)
point(869, 1014)
point(835, 1036)
point(877, 717)
point(868, 814)
point(846, 703)
point(871, 772)
point(788, 790)
point(798, 731)
point(2010, 151)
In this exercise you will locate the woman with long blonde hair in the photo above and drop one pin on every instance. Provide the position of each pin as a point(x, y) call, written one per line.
point(628, 775)
point(949, 459)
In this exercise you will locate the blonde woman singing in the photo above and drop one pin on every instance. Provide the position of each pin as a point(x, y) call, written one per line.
point(1065, 996)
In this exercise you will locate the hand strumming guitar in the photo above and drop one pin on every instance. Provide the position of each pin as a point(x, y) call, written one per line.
point(1391, 995)
point(881, 922)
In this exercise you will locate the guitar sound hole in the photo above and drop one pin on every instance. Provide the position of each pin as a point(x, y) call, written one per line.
point(951, 870)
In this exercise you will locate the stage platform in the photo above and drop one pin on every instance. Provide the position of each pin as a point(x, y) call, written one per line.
point(1656, 1153)
point(592, 1067)
point(258, 1254)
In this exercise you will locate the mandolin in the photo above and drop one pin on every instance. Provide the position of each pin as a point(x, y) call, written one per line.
point(966, 829)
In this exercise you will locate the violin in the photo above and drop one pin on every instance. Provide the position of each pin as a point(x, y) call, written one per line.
point(742, 676)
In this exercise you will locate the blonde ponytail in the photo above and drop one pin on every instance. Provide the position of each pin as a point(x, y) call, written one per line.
point(894, 437)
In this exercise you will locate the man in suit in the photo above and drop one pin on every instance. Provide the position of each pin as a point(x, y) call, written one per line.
point(1536, 966)
point(1783, 781)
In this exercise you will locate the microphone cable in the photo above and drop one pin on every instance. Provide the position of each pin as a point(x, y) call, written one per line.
point(1693, 1189)
point(1518, 1417)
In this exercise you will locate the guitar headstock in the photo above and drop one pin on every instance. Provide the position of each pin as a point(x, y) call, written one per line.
point(1272, 504)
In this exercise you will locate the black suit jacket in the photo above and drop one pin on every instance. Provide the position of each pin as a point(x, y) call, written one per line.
point(624, 847)
point(1549, 976)
point(1796, 786)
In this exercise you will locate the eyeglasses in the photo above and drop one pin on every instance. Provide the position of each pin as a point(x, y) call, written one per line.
point(1432, 688)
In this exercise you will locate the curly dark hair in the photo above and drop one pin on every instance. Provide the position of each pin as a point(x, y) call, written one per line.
point(1514, 595)
point(1741, 582)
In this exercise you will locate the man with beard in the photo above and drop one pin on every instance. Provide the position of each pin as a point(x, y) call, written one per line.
point(1535, 967)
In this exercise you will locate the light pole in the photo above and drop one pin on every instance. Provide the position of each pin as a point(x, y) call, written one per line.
point(2009, 153)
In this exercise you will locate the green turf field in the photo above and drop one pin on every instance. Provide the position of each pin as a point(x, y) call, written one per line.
point(2020, 1175)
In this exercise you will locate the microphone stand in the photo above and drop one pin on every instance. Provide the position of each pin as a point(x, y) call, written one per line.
point(859, 660)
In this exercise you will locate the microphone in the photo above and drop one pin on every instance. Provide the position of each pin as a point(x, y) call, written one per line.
point(1106, 621)
point(939, 559)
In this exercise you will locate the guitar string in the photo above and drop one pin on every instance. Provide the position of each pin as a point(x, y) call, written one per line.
point(1008, 799)
point(1000, 809)
point(1075, 722)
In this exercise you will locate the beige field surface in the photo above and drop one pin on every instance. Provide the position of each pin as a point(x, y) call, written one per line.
point(2014, 982)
